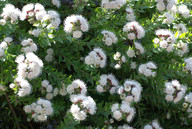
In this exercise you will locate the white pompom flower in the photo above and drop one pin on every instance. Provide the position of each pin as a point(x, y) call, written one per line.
point(76, 24)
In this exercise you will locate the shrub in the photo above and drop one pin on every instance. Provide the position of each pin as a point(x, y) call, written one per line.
point(95, 64)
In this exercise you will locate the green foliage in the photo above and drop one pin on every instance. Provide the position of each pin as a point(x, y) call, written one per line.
point(68, 65)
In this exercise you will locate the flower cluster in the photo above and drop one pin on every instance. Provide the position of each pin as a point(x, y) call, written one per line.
point(165, 39)
point(169, 18)
point(53, 18)
point(57, 3)
point(97, 57)
point(188, 64)
point(138, 50)
point(120, 58)
point(125, 126)
point(40, 110)
point(33, 12)
point(49, 56)
point(148, 69)
point(35, 32)
point(184, 11)
point(188, 104)
point(130, 14)
point(174, 91)
point(130, 91)
point(29, 66)
point(123, 111)
point(134, 30)
point(76, 24)
point(181, 28)
point(22, 87)
point(182, 48)
point(28, 46)
point(107, 83)
point(77, 87)
point(165, 4)
point(10, 13)
point(81, 106)
point(3, 45)
point(154, 125)
point(46, 87)
point(109, 37)
point(133, 65)
point(114, 4)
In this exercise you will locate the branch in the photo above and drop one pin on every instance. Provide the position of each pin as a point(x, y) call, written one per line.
point(13, 111)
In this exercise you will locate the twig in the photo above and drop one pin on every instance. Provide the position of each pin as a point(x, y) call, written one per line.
point(13, 111)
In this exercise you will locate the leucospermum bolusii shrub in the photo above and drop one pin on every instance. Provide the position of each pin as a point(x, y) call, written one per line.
point(122, 64)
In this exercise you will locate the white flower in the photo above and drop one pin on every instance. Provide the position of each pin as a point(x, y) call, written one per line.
point(49, 88)
point(131, 91)
point(77, 34)
point(117, 56)
point(116, 4)
point(131, 53)
point(24, 88)
point(184, 11)
point(48, 58)
point(133, 65)
point(133, 29)
point(117, 115)
point(97, 57)
point(156, 40)
point(115, 107)
point(188, 97)
point(139, 47)
point(49, 96)
point(162, 5)
point(50, 51)
point(55, 91)
point(117, 66)
point(163, 44)
point(33, 11)
point(148, 127)
point(147, 69)
point(169, 18)
point(130, 14)
point(3, 45)
point(174, 91)
point(87, 105)
point(8, 39)
point(99, 88)
point(2, 22)
point(28, 46)
point(76, 23)
point(35, 32)
point(107, 83)
point(27, 109)
point(131, 36)
point(77, 87)
point(109, 37)
point(166, 39)
point(10, 12)
point(56, 3)
point(29, 66)
point(40, 110)
point(45, 83)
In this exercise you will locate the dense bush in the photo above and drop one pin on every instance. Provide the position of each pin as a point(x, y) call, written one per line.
point(95, 64)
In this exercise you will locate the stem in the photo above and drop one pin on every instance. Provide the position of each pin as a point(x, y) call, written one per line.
point(13, 111)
